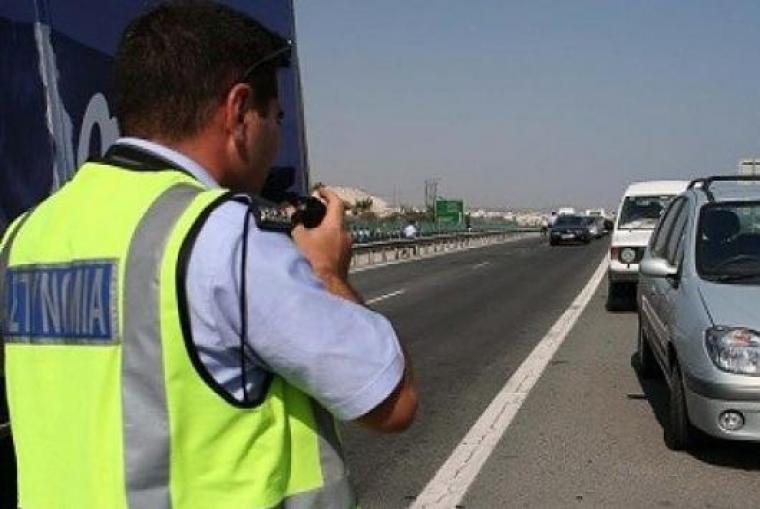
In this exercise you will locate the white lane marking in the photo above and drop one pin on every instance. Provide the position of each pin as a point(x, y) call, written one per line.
point(481, 264)
point(385, 296)
point(450, 483)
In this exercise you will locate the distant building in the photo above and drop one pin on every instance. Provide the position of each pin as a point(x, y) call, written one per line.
point(353, 195)
point(749, 167)
point(521, 218)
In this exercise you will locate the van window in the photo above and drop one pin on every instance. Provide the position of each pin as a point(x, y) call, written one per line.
point(642, 212)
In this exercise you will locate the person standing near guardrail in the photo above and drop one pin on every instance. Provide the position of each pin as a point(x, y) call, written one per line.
point(545, 229)
point(410, 230)
point(167, 343)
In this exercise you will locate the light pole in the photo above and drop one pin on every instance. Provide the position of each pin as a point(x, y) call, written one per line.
point(431, 192)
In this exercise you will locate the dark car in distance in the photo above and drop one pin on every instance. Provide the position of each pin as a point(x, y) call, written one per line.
point(570, 228)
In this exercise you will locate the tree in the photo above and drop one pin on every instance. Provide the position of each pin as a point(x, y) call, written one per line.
point(362, 206)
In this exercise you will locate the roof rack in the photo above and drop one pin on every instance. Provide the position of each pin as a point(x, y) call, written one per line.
point(707, 181)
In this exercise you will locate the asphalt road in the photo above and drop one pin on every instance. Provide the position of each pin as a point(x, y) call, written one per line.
point(590, 435)
point(468, 320)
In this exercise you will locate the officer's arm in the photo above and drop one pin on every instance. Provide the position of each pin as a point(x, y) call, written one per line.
point(328, 249)
point(397, 412)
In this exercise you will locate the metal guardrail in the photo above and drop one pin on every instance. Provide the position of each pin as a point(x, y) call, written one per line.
point(373, 253)
point(384, 230)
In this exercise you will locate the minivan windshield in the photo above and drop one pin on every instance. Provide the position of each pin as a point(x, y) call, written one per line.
point(642, 212)
point(728, 242)
point(572, 221)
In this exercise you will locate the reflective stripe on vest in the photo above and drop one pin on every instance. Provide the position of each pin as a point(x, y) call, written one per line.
point(181, 446)
point(336, 491)
point(5, 252)
point(146, 425)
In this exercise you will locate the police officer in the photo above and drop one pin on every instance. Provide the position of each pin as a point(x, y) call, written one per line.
point(167, 345)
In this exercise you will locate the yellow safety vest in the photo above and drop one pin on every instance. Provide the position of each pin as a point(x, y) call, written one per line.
point(110, 407)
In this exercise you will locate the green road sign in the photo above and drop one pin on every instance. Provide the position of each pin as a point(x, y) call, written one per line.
point(449, 211)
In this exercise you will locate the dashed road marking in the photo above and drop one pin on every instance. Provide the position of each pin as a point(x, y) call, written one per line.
point(450, 483)
point(385, 296)
point(481, 264)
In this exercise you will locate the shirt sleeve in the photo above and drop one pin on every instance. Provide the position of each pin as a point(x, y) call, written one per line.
point(342, 354)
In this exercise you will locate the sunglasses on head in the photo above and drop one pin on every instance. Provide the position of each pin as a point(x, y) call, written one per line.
point(283, 54)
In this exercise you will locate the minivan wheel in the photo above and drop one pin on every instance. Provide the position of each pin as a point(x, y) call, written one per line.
point(680, 434)
point(646, 363)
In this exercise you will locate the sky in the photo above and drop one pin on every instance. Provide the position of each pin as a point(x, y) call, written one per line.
point(532, 104)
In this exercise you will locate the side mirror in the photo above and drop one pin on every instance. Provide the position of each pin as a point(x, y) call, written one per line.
point(657, 267)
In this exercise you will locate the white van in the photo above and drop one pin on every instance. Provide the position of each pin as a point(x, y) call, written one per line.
point(637, 216)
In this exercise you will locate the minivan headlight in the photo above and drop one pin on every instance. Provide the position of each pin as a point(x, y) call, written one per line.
point(734, 349)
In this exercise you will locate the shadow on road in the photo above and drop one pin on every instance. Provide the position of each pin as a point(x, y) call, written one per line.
point(724, 453)
point(623, 301)
point(655, 391)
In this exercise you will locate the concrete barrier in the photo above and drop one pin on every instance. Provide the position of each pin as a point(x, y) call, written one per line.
point(376, 253)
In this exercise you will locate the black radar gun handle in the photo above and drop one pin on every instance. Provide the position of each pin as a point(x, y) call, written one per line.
point(309, 212)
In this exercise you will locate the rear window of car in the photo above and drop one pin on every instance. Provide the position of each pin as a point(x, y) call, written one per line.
point(728, 240)
point(569, 221)
point(642, 212)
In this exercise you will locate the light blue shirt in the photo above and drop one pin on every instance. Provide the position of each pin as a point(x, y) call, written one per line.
point(342, 354)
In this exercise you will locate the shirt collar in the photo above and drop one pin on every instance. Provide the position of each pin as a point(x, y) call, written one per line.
point(171, 155)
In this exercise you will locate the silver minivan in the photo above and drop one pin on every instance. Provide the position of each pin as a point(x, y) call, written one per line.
point(699, 310)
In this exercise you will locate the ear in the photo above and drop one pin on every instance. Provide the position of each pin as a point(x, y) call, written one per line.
point(237, 103)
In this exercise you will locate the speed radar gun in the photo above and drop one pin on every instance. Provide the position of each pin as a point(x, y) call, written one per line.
point(308, 210)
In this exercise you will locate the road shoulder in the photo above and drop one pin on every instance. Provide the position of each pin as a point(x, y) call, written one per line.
point(590, 434)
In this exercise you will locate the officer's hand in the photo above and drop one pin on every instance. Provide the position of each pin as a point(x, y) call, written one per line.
point(327, 246)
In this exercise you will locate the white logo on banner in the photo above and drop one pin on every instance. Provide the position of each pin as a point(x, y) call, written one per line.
point(59, 121)
point(97, 114)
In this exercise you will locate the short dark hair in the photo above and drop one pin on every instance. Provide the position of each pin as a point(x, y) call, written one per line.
point(175, 64)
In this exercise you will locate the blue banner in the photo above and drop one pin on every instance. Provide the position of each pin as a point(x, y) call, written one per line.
point(55, 92)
